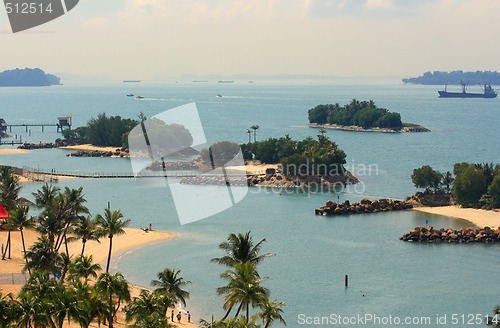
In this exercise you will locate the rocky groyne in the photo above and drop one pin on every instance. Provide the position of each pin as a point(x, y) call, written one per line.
point(31, 146)
point(464, 235)
point(196, 164)
point(432, 200)
point(275, 180)
point(119, 152)
point(364, 206)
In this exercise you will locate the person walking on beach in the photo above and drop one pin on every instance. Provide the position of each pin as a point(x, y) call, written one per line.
point(172, 315)
point(179, 316)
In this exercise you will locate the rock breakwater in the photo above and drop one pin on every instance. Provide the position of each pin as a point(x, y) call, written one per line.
point(464, 235)
point(364, 206)
point(119, 152)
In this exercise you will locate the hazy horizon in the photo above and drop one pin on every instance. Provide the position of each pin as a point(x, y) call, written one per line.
point(166, 39)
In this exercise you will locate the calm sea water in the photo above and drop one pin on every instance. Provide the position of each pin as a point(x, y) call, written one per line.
point(387, 276)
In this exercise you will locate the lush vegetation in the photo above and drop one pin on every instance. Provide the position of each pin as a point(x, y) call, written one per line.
point(473, 185)
point(114, 131)
point(298, 157)
point(357, 113)
point(27, 77)
point(455, 77)
point(106, 131)
point(66, 288)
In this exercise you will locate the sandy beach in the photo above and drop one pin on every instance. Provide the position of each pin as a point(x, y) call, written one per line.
point(253, 168)
point(480, 218)
point(12, 151)
point(89, 147)
point(132, 238)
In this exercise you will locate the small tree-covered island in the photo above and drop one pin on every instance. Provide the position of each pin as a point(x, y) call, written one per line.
point(28, 77)
point(362, 116)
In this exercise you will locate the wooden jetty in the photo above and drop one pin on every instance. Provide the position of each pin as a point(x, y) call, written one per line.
point(112, 175)
point(62, 122)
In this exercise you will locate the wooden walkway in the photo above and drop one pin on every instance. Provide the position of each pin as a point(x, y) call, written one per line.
point(43, 125)
point(40, 175)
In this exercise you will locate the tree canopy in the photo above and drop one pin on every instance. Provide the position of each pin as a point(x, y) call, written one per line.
point(306, 157)
point(357, 113)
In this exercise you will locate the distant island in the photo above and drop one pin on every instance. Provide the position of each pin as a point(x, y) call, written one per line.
point(28, 77)
point(363, 116)
point(455, 77)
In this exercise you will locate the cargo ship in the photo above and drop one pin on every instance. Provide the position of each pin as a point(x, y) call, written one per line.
point(488, 92)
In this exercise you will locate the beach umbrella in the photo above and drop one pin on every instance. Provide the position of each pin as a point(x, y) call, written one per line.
point(3, 213)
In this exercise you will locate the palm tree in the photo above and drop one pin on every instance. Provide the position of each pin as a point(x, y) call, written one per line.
point(9, 192)
point(51, 222)
point(41, 257)
point(19, 219)
point(83, 267)
point(75, 200)
point(169, 281)
point(34, 311)
point(113, 287)
point(112, 225)
point(243, 288)
point(66, 305)
point(46, 195)
point(270, 312)
point(254, 128)
point(148, 310)
point(240, 249)
point(9, 312)
point(37, 301)
point(86, 229)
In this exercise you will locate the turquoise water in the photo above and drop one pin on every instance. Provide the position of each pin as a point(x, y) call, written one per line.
point(387, 276)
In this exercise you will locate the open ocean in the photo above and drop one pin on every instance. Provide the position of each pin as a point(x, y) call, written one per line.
point(387, 277)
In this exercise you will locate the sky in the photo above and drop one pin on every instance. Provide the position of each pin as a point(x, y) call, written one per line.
point(166, 39)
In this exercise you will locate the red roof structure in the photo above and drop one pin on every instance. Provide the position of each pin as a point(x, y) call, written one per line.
point(3, 213)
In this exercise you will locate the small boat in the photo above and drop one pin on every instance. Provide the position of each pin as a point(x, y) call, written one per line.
point(139, 97)
point(488, 92)
point(219, 96)
point(130, 95)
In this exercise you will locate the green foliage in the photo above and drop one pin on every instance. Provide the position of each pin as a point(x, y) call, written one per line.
point(102, 131)
point(108, 131)
point(164, 139)
point(470, 185)
point(220, 153)
point(494, 191)
point(427, 178)
point(307, 157)
point(360, 113)
point(447, 181)
point(76, 136)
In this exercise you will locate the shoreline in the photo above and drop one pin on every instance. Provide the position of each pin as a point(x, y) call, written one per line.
point(355, 128)
point(480, 218)
point(132, 239)
point(89, 147)
point(13, 151)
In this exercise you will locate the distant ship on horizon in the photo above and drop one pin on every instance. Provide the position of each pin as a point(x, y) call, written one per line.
point(225, 81)
point(488, 92)
point(131, 81)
